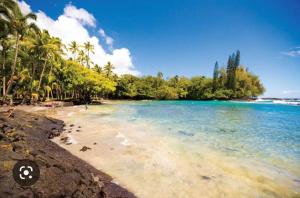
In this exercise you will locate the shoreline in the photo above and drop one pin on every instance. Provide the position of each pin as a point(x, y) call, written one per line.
point(131, 159)
point(89, 142)
point(26, 135)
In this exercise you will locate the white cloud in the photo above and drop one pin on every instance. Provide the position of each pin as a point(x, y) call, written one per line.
point(108, 40)
point(70, 26)
point(25, 8)
point(83, 16)
point(294, 52)
point(288, 92)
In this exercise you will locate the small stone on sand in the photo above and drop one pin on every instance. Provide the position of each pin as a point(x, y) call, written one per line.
point(205, 177)
point(85, 148)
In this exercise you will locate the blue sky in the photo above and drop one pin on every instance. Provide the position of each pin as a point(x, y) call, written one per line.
point(187, 37)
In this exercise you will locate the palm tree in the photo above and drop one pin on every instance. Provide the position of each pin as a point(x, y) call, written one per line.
point(6, 7)
point(81, 57)
point(74, 48)
point(50, 47)
point(88, 48)
point(97, 69)
point(5, 46)
point(19, 26)
point(108, 69)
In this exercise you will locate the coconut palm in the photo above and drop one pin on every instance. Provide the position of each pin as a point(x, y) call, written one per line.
point(81, 57)
point(50, 47)
point(74, 48)
point(19, 26)
point(6, 7)
point(88, 47)
point(108, 69)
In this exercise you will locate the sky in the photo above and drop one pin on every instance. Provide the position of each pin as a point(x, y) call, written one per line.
point(144, 37)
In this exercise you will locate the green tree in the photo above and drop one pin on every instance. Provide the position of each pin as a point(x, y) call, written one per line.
point(74, 49)
point(89, 48)
point(215, 76)
point(108, 69)
point(19, 26)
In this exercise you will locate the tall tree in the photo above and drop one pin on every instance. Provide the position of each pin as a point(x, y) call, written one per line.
point(81, 57)
point(237, 59)
point(89, 48)
point(108, 69)
point(229, 72)
point(215, 76)
point(74, 48)
point(19, 25)
point(50, 47)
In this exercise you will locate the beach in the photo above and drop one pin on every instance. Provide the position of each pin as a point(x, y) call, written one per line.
point(25, 135)
point(181, 156)
point(145, 153)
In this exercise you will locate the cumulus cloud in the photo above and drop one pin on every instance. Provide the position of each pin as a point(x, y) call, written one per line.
point(25, 8)
point(293, 52)
point(83, 16)
point(71, 26)
point(108, 40)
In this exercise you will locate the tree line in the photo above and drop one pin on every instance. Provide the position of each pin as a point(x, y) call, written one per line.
point(35, 66)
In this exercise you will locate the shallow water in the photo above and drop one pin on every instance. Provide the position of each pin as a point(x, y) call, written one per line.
point(192, 148)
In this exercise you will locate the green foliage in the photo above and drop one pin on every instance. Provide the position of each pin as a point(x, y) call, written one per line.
point(34, 66)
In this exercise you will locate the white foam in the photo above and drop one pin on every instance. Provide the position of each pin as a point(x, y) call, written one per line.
point(125, 142)
point(71, 140)
point(70, 114)
point(120, 135)
point(286, 102)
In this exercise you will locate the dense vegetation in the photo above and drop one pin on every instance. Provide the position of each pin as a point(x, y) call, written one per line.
point(35, 67)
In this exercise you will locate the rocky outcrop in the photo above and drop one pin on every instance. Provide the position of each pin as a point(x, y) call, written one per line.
point(26, 136)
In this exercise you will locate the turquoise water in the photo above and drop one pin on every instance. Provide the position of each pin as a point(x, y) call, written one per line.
point(192, 148)
point(268, 132)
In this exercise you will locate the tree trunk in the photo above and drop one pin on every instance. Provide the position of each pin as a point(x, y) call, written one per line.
point(32, 78)
point(48, 95)
point(13, 68)
point(51, 94)
point(3, 70)
point(41, 77)
point(87, 61)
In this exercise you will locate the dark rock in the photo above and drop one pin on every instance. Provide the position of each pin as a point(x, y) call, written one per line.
point(85, 148)
point(62, 174)
point(205, 177)
point(71, 125)
point(95, 143)
point(64, 139)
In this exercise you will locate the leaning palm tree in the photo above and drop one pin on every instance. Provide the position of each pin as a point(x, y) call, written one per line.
point(74, 48)
point(19, 26)
point(88, 48)
point(6, 8)
point(50, 48)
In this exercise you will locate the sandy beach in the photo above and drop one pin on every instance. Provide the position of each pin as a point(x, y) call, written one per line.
point(141, 160)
